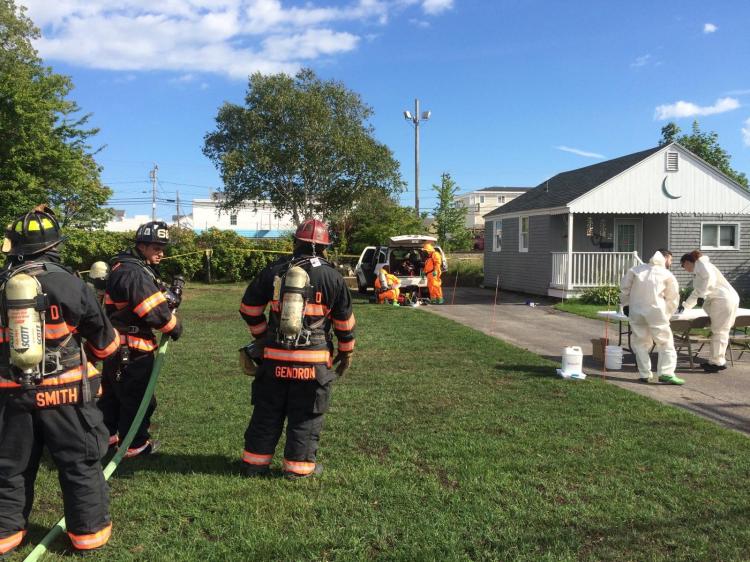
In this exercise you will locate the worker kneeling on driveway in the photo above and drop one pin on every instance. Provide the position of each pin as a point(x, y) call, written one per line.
point(307, 298)
point(47, 386)
point(650, 296)
point(387, 286)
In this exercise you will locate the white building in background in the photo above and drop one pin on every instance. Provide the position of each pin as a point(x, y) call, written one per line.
point(482, 201)
point(256, 219)
point(121, 223)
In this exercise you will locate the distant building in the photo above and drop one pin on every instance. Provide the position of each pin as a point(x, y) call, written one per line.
point(481, 201)
point(121, 223)
point(257, 219)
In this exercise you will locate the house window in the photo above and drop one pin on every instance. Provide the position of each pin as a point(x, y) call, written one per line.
point(720, 236)
point(523, 234)
point(233, 220)
point(497, 235)
point(673, 161)
point(481, 198)
point(501, 199)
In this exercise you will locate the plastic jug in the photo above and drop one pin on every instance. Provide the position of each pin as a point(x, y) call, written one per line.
point(613, 357)
point(572, 360)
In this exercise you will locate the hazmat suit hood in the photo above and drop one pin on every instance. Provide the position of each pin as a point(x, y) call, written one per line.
point(658, 259)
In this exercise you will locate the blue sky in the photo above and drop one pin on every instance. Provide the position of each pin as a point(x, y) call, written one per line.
point(519, 89)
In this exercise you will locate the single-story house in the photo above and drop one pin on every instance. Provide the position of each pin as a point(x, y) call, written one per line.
point(586, 227)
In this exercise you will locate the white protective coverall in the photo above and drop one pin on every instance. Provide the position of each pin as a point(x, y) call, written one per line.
point(653, 294)
point(721, 302)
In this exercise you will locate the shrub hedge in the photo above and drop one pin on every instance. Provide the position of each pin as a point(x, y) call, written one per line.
point(233, 258)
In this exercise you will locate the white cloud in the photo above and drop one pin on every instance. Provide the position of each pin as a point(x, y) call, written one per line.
point(419, 23)
point(580, 152)
point(687, 109)
point(737, 93)
point(643, 60)
point(709, 28)
point(746, 133)
point(230, 37)
point(434, 7)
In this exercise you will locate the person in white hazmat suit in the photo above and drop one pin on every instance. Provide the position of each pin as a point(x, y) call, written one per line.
point(719, 300)
point(649, 295)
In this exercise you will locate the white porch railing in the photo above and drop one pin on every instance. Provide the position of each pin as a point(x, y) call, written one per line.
point(591, 269)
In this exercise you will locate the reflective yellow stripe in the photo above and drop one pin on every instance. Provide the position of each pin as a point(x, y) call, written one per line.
point(316, 310)
point(343, 325)
point(148, 304)
point(107, 351)
point(297, 355)
point(346, 346)
point(169, 325)
point(252, 310)
point(94, 540)
point(299, 467)
point(256, 459)
point(258, 328)
point(9, 543)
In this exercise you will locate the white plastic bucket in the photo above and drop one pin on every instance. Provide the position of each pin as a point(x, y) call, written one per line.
point(613, 357)
point(572, 360)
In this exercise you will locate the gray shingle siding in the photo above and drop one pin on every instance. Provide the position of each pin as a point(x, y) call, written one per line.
point(527, 272)
point(685, 236)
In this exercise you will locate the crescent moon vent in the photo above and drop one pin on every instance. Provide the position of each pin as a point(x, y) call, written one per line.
point(666, 191)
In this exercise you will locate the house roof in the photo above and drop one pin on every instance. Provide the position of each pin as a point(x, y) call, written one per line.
point(565, 187)
point(504, 188)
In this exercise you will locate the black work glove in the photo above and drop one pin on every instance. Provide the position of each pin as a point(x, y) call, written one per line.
point(680, 309)
point(344, 360)
point(176, 331)
point(700, 302)
point(626, 310)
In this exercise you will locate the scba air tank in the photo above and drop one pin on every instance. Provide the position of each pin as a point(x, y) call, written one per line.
point(25, 326)
point(293, 304)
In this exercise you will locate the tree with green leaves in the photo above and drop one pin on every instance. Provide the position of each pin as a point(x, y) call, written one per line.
point(373, 221)
point(705, 145)
point(450, 219)
point(44, 151)
point(301, 143)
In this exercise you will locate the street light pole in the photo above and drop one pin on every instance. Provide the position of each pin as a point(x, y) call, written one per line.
point(417, 118)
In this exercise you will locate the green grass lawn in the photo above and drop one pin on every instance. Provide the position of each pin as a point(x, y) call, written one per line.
point(575, 306)
point(441, 444)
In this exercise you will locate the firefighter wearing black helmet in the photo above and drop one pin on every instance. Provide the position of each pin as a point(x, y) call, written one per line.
point(137, 303)
point(306, 300)
point(48, 386)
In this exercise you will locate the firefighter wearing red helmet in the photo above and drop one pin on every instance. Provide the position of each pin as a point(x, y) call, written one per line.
point(306, 299)
point(48, 387)
point(137, 302)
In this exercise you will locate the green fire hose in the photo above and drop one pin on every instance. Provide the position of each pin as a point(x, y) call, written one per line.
point(59, 527)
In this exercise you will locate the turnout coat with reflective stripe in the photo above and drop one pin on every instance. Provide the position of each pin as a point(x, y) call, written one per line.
point(134, 300)
point(72, 311)
point(329, 302)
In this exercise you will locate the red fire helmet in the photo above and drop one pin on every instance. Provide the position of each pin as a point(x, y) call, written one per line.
point(313, 231)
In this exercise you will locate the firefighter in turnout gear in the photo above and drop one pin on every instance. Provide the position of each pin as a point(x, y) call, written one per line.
point(137, 302)
point(433, 268)
point(48, 387)
point(306, 298)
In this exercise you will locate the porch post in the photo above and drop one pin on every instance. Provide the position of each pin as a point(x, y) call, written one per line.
point(569, 272)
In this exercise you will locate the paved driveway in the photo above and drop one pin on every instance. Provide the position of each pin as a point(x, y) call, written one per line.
point(722, 397)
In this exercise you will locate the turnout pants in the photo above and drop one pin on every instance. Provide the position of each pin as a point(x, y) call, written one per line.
point(76, 440)
point(643, 337)
point(302, 404)
point(123, 387)
point(722, 313)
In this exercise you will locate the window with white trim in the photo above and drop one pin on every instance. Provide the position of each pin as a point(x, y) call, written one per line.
point(501, 199)
point(720, 236)
point(481, 198)
point(523, 234)
point(497, 235)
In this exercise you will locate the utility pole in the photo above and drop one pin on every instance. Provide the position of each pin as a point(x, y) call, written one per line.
point(178, 209)
point(417, 118)
point(153, 175)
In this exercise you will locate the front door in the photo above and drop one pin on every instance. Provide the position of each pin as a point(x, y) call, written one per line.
point(628, 234)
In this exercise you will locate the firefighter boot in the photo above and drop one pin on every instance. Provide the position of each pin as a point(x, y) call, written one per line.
point(294, 476)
